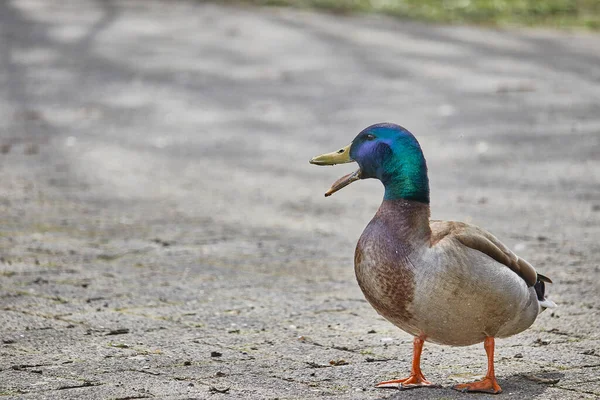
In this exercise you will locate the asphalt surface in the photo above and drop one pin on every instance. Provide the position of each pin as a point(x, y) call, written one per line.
point(163, 235)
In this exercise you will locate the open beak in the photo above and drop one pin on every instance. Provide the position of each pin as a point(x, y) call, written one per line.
point(342, 156)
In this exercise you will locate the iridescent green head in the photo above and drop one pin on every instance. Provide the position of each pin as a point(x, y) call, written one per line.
point(387, 152)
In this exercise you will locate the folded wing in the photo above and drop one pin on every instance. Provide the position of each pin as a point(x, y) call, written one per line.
point(477, 239)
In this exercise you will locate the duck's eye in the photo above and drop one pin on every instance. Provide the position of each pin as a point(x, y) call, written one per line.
point(370, 137)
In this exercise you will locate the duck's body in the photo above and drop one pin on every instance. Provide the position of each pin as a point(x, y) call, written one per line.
point(441, 281)
point(422, 278)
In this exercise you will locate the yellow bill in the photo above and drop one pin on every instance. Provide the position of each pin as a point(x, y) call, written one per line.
point(342, 156)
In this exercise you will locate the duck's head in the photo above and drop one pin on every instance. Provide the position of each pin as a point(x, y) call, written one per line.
point(387, 152)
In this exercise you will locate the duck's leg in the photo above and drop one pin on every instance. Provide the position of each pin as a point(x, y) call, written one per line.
point(489, 383)
point(416, 378)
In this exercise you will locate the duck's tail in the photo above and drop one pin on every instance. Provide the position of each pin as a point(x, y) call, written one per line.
point(540, 290)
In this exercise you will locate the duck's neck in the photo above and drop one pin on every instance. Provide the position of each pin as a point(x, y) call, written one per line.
point(406, 180)
point(406, 220)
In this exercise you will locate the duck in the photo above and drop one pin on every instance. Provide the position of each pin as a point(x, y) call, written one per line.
point(444, 282)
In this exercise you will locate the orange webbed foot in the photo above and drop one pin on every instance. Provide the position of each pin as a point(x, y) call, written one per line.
point(413, 381)
point(486, 385)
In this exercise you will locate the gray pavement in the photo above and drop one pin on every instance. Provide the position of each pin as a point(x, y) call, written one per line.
point(163, 235)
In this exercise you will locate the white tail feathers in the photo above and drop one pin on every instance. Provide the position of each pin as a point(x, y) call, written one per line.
point(547, 303)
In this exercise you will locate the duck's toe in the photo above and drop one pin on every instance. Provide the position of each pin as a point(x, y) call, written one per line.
point(413, 381)
point(487, 385)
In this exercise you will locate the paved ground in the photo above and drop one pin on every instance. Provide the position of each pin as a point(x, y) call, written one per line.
point(163, 235)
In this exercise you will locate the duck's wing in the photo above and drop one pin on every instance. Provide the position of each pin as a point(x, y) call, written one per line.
point(476, 238)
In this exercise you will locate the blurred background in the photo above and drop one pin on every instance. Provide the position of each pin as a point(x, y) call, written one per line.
point(163, 234)
point(549, 13)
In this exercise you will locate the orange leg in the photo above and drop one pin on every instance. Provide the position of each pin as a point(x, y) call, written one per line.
point(489, 383)
point(416, 378)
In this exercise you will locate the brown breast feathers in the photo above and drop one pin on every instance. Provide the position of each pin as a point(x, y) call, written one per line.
point(381, 260)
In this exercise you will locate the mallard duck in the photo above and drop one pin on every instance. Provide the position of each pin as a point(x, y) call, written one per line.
point(444, 282)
